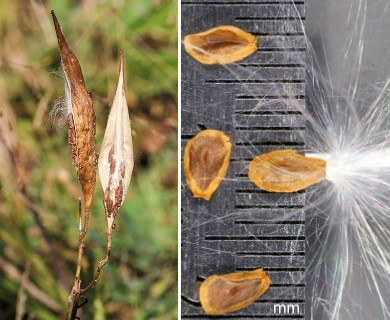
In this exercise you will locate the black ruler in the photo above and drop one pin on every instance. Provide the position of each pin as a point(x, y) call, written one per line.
point(255, 102)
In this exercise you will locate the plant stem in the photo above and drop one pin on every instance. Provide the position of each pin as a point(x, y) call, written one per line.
point(86, 221)
point(73, 301)
point(74, 297)
point(100, 265)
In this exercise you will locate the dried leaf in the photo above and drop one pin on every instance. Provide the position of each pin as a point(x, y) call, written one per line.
point(116, 154)
point(80, 119)
point(220, 45)
point(206, 160)
point(286, 171)
point(220, 294)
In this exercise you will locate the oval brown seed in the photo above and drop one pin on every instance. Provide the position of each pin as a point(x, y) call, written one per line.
point(220, 45)
point(286, 171)
point(220, 294)
point(206, 160)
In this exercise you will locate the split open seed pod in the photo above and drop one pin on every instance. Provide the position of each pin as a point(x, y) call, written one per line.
point(220, 45)
point(206, 160)
point(80, 119)
point(220, 294)
point(116, 154)
point(286, 171)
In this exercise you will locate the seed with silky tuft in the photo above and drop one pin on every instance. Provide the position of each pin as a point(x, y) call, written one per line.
point(206, 160)
point(220, 294)
point(220, 45)
point(286, 171)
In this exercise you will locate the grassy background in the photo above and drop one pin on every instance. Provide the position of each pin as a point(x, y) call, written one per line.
point(38, 182)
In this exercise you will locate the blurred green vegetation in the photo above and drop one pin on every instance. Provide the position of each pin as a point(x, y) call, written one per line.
point(38, 182)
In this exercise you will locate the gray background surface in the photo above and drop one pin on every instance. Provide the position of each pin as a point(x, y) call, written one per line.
point(242, 227)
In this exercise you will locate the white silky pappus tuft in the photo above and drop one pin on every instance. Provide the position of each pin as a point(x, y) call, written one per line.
point(348, 125)
point(62, 107)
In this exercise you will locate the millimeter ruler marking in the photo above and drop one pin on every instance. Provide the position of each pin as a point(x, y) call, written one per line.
point(254, 102)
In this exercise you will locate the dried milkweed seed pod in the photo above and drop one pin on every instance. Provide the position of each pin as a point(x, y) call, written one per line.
point(206, 160)
point(286, 171)
point(220, 294)
point(80, 119)
point(116, 154)
point(220, 45)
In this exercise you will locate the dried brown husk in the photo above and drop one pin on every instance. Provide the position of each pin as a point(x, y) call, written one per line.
point(206, 160)
point(286, 171)
point(80, 119)
point(221, 294)
point(220, 45)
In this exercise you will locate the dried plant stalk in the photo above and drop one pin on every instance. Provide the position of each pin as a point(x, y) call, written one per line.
point(81, 136)
point(206, 160)
point(220, 45)
point(220, 294)
point(80, 120)
point(115, 164)
point(286, 171)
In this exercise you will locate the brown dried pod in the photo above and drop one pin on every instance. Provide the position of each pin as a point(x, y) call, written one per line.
point(220, 294)
point(286, 171)
point(206, 160)
point(80, 119)
point(220, 45)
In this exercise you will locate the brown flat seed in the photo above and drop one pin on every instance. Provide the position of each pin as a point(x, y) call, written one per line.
point(220, 294)
point(206, 160)
point(286, 171)
point(220, 45)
